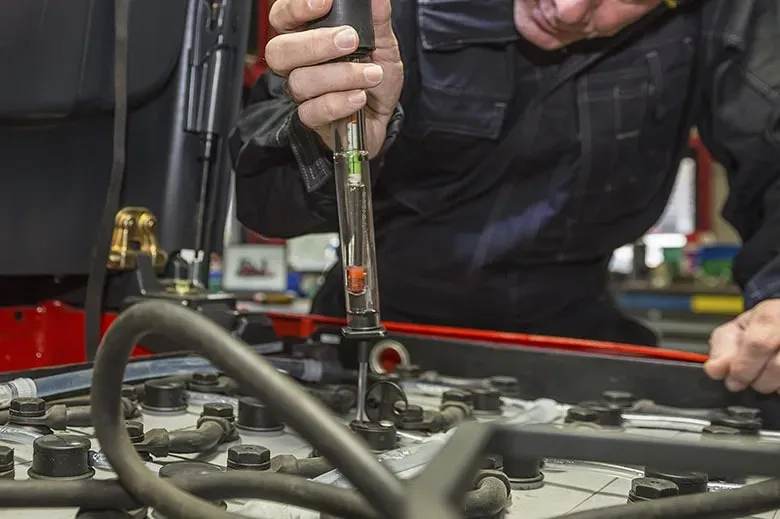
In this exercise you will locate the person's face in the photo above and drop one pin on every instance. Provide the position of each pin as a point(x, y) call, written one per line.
point(553, 24)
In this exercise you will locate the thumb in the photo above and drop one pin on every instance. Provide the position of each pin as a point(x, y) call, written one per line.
point(383, 26)
point(724, 345)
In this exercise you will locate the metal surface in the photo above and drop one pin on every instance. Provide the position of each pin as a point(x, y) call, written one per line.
point(362, 380)
point(61, 179)
point(568, 486)
point(51, 334)
point(384, 401)
point(381, 348)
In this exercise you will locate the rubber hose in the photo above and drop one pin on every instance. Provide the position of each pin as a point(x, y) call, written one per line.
point(451, 417)
point(312, 467)
point(732, 504)
point(203, 439)
point(308, 468)
point(69, 401)
point(487, 500)
point(269, 486)
point(104, 514)
point(286, 399)
point(81, 415)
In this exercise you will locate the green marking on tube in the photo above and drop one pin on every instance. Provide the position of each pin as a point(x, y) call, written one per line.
point(354, 163)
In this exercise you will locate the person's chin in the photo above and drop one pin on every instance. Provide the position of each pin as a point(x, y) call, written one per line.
point(532, 31)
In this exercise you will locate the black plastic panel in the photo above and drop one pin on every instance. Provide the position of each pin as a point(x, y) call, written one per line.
point(571, 377)
point(59, 168)
point(56, 58)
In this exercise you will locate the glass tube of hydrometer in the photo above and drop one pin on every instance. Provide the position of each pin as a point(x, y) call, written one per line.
point(356, 223)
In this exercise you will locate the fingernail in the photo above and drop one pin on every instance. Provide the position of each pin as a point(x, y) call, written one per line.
point(373, 73)
point(346, 39)
point(357, 98)
point(316, 4)
point(734, 385)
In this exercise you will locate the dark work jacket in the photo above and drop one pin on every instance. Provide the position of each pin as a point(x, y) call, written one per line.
point(495, 212)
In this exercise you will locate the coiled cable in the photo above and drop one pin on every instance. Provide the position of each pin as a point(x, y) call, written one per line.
point(110, 494)
point(288, 400)
point(732, 504)
point(487, 499)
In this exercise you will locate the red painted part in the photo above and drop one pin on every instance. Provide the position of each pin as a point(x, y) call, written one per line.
point(253, 69)
point(288, 325)
point(46, 335)
point(390, 359)
point(264, 30)
point(262, 240)
point(52, 334)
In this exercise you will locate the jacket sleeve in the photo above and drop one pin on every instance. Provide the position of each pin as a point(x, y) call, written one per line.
point(283, 173)
point(740, 125)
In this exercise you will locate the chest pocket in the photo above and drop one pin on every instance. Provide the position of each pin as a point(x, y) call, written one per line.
point(634, 115)
point(465, 70)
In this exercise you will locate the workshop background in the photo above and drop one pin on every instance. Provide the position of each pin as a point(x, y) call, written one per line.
point(677, 278)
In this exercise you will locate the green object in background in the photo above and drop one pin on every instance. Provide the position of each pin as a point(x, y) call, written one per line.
point(673, 258)
point(215, 282)
point(714, 264)
point(716, 268)
point(215, 273)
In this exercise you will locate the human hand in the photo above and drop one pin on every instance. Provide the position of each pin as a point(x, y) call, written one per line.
point(326, 91)
point(745, 352)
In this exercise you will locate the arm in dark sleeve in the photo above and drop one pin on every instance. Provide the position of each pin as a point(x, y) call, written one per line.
point(283, 172)
point(741, 127)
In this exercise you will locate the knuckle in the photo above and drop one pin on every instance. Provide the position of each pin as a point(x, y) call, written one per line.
point(295, 85)
point(717, 334)
point(764, 317)
point(769, 382)
point(304, 114)
point(763, 344)
point(723, 336)
point(285, 14)
point(760, 339)
point(329, 107)
point(765, 389)
point(278, 14)
point(348, 75)
point(742, 372)
point(313, 45)
point(274, 54)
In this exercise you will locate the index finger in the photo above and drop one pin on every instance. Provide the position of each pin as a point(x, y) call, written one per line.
point(290, 15)
point(724, 345)
point(759, 344)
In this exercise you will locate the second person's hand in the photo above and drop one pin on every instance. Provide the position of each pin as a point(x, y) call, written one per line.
point(327, 91)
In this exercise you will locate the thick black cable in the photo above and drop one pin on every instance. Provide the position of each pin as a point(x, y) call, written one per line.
point(286, 398)
point(487, 500)
point(96, 282)
point(268, 486)
point(203, 439)
point(313, 467)
point(732, 504)
point(305, 467)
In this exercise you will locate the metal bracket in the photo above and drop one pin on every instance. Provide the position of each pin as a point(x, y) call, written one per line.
point(134, 233)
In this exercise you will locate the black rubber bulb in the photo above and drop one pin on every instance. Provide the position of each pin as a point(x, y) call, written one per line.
point(357, 14)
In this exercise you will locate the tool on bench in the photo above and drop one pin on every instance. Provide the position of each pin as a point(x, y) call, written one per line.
point(353, 194)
